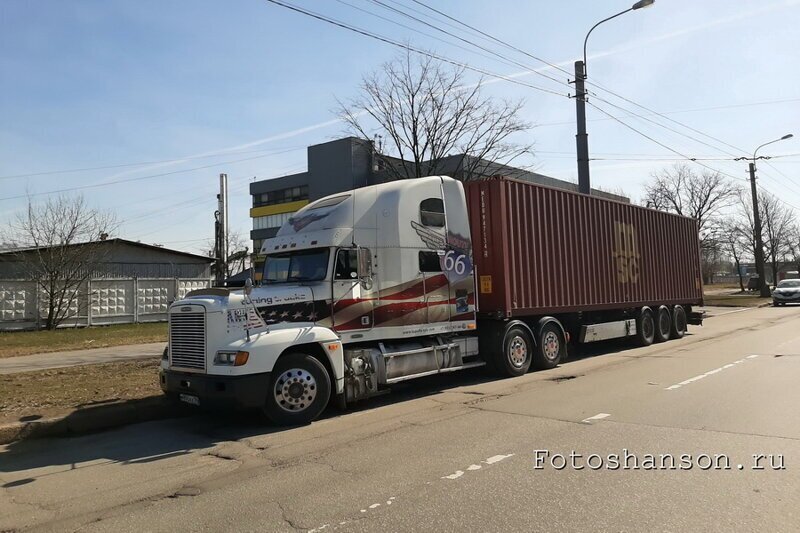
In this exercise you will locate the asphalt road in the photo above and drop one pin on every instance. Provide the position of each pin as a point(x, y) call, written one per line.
point(459, 452)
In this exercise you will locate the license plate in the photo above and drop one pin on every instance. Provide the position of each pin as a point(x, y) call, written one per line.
point(188, 398)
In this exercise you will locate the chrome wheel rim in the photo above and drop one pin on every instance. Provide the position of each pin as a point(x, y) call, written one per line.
point(295, 390)
point(550, 345)
point(517, 351)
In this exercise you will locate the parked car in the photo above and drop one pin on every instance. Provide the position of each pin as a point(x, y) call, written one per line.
point(787, 291)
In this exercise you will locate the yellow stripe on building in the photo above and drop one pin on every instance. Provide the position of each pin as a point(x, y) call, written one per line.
point(277, 209)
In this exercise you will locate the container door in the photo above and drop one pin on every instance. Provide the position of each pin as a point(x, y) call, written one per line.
point(353, 302)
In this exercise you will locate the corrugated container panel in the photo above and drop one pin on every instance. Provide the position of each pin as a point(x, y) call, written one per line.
point(543, 250)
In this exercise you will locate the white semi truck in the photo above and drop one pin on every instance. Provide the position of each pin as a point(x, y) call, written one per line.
point(363, 289)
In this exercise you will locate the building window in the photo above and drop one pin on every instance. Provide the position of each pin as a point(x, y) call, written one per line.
point(257, 245)
point(431, 212)
point(271, 221)
point(429, 262)
point(282, 196)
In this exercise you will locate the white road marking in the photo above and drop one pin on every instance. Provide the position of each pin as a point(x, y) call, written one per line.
point(710, 373)
point(374, 505)
point(497, 458)
point(473, 467)
point(731, 312)
point(598, 416)
point(456, 475)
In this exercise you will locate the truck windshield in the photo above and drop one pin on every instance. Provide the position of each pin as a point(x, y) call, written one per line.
point(304, 265)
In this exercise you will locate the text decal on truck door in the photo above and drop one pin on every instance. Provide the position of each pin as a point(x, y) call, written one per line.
point(626, 253)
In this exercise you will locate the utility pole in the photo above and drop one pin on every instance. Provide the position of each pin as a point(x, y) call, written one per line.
point(221, 231)
point(763, 289)
point(582, 138)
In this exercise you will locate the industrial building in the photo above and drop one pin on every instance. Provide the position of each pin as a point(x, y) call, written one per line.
point(129, 282)
point(350, 163)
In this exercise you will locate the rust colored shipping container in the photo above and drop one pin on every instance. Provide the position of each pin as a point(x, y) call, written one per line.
point(539, 250)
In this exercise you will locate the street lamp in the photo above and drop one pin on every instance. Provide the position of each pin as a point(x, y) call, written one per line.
point(582, 138)
point(763, 289)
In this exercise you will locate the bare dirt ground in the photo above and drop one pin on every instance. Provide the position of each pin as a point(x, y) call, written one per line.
point(30, 395)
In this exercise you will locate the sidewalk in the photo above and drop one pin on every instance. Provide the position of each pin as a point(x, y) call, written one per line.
point(44, 361)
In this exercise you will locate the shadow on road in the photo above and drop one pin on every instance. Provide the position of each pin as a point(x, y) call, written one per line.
point(157, 440)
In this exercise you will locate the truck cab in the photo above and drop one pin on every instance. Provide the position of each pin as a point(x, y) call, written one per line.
point(359, 290)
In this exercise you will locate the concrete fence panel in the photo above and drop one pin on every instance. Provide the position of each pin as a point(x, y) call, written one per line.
point(98, 301)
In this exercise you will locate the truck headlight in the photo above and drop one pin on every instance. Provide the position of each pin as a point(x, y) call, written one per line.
point(231, 358)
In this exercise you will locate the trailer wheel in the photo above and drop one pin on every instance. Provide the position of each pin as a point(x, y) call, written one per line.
point(517, 354)
point(551, 347)
point(663, 324)
point(645, 327)
point(299, 390)
point(678, 322)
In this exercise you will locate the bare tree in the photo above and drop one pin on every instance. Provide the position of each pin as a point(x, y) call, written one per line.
point(57, 244)
point(426, 112)
point(700, 196)
point(238, 253)
point(778, 222)
point(736, 238)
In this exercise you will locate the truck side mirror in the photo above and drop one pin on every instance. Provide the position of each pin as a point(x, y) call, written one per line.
point(365, 267)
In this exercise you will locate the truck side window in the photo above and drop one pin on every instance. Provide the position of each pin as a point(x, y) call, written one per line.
point(346, 264)
point(431, 212)
point(429, 262)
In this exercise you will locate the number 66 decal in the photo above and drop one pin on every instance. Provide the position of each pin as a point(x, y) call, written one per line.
point(456, 263)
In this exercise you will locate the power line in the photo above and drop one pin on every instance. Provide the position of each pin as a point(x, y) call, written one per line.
point(410, 48)
point(684, 156)
point(494, 53)
point(415, 30)
point(493, 38)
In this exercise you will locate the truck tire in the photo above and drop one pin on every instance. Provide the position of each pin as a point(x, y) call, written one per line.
point(678, 322)
point(663, 324)
point(550, 348)
point(517, 353)
point(299, 390)
point(645, 327)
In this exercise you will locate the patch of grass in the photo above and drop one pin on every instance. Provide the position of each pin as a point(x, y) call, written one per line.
point(14, 343)
point(58, 391)
point(735, 300)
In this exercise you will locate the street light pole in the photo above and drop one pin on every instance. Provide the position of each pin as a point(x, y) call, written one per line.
point(582, 138)
point(763, 288)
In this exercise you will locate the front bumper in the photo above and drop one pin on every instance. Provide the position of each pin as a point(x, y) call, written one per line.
point(785, 298)
point(240, 391)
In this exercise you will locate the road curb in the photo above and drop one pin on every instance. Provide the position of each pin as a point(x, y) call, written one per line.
point(91, 419)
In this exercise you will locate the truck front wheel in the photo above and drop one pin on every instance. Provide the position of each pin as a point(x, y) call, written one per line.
point(299, 390)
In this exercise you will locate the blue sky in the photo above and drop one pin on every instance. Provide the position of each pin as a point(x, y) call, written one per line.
point(91, 83)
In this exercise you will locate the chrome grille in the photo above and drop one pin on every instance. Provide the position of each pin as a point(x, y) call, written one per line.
point(187, 340)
